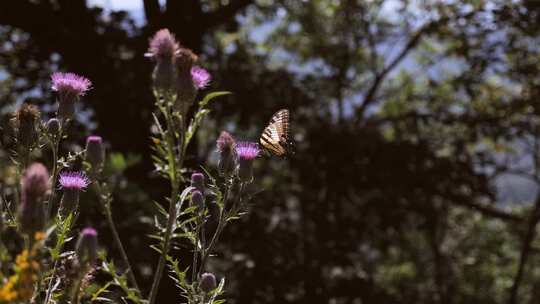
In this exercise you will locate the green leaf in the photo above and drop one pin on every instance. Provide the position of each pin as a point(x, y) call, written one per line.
point(211, 96)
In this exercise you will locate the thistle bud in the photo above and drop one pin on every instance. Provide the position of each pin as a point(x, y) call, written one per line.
point(247, 152)
point(69, 87)
point(25, 120)
point(86, 247)
point(227, 158)
point(34, 187)
point(163, 49)
point(207, 282)
point(197, 199)
point(72, 183)
point(95, 152)
point(197, 181)
point(53, 127)
point(186, 90)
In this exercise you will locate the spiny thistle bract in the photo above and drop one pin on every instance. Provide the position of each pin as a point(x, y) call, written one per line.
point(25, 122)
point(86, 247)
point(226, 147)
point(95, 152)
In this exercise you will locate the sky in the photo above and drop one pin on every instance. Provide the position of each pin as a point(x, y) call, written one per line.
point(134, 7)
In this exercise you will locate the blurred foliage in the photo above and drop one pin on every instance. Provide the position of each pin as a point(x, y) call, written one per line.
point(407, 116)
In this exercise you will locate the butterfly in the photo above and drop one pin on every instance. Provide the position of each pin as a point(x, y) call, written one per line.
point(276, 138)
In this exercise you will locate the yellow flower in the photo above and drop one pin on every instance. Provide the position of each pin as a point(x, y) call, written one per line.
point(20, 286)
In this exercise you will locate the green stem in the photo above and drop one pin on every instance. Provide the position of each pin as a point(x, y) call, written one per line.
point(75, 299)
point(175, 185)
point(222, 222)
point(196, 248)
point(108, 213)
point(48, 294)
point(54, 147)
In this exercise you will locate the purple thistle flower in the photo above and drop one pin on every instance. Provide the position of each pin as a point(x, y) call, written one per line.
point(70, 84)
point(73, 180)
point(70, 87)
point(72, 183)
point(201, 77)
point(163, 45)
point(247, 150)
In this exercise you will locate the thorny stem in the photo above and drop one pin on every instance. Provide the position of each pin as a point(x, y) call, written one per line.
point(108, 213)
point(199, 237)
point(175, 185)
point(54, 147)
point(51, 280)
point(222, 222)
point(48, 294)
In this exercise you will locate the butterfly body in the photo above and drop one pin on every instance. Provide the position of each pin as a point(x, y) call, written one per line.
point(275, 138)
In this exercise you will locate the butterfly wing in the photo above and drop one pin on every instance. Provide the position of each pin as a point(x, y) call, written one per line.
point(276, 136)
point(270, 140)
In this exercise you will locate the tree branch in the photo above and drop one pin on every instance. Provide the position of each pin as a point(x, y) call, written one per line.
point(380, 77)
point(490, 211)
point(152, 12)
point(525, 251)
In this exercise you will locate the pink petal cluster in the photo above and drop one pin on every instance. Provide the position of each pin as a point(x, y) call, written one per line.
point(201, 77)
point(247, 150)
point(70, 84)
point(74, 180)
point(89, 231)
point(163, 45)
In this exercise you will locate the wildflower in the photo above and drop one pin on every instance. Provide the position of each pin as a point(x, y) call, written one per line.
point(72, 183)
point(34, 186)
point(197, 199)
point(163, 45)
point(53, 127)
point(226, 148)
point(186, 89)
point(95, 153)
point(246, 152)
point(25, 123)
point(69, 87)
point(26, 268)
point(207, 282)
point(197, 181)
point(164, 48)
point(20, 286)
point(201, 78)
point(86, 247)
